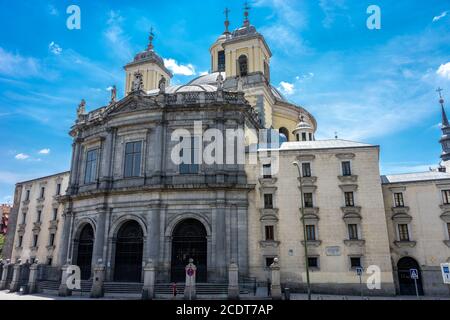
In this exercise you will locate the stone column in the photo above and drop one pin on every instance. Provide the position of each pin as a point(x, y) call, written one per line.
point(32, 279)
point(153, 234)
point(99, 241)
point(4, 275)
point(148, 291)
point(275, 280)
point(189, 290)
point(74, 169)
point(98, 280)
point(233, 281)
point(14, 286)
point(65, 236)
point(64, 290)
point(107, 159)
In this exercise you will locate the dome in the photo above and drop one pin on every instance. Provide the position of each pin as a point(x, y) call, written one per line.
point(303, 125)
point(186, 88)
point(210, 78)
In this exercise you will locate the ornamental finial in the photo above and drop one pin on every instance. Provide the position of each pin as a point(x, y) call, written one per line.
point(227, 22)
point(246, 13)
point(150, 40)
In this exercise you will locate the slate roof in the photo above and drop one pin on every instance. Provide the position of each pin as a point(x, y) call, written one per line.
point(415, 177)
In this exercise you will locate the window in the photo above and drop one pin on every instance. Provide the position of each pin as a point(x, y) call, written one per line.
point(27, 196)
point(298, 137)
point(398, 199)
point(346, 169)
point(90, 175)
point(308, 197)
point(58, 189)
point(49, 261)
point(310, 137)
point(353, 232)
point(55, 214)
point(267, 171)
point(303, 136)
point(24, 217)
point(403, 232)
point(243, 66)
point(270, 233)
point(52, 239)
point(349, 199)
point(133, 152)
point(268, 201)
point(311, 233)
point(41, 196)
point(355, 262)
point(35, 240)
point(221, 61)
point(313, 262)
point(39, 214)
point(192, 167)
point(20, 241)
point(269, 261)
point(306, 170)
point(446, 196)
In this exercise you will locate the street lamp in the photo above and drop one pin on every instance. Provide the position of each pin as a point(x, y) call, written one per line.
point(302, 211)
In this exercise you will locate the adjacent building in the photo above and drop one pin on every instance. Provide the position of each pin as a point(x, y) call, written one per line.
point(5, 210)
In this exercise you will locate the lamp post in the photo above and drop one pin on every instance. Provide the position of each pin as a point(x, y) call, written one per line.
point(302, 211)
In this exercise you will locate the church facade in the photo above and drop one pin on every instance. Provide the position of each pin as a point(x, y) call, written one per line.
point(127, 201)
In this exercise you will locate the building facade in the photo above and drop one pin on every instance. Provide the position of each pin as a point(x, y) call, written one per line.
point(139, 189)
point(5, 210)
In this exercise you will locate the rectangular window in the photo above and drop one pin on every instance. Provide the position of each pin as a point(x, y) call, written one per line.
point(52, 239)
point(303, 136)
point(446, 196)
point(193, 166)
point(269, 261)
point(308, 197)
point(55, 214)
point(346, 169)
point(49, 261)
point(58, 189)
point(27, 196)
point(24, 217)
point(306, 170)
point(20, 241)
point(353, 232)
point(90, 175)
point(38, 217)
point(313, 262)
point(399, 203)
point(268, 201)
point(221, 61)
point(311, 233)
point(355, 262)
point(133, 152)
point(267, 171)
point(41, 196)
point(349, 199)
point(270, 233)
point(403, 232)
point(310, 137)
point(35, 240)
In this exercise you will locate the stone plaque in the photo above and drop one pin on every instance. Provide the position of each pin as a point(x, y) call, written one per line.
point(333, 251)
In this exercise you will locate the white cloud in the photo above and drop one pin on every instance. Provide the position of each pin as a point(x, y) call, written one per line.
point(114, 34)
point(55, 48)
point(52, 10)
point(441, 16)
point(444, 71)
point(203, 73)
point(44, 151)
point(17, 66)
point(22, 156)
point(286, 88)
point(332, 10)
point(185, 70)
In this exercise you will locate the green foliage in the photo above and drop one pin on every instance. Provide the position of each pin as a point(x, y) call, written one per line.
point(2, 241)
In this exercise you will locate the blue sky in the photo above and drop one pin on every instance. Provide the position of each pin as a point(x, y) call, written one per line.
point(375, 86)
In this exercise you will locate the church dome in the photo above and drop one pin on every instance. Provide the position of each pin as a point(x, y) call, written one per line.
point(186, 88)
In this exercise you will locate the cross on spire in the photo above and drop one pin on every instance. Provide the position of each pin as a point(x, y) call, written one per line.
point(445, 122)
point(150, 40)
point(246, 10)
point(227, 22)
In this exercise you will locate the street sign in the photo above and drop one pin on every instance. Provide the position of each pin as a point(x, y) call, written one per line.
point(414, 274)
point(445, 268)
point(359, 271)
point(190, 272)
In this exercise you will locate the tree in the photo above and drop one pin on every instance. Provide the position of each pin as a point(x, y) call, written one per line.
point(2, 241)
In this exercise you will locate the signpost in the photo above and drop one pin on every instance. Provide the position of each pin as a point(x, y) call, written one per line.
point(190, 273)
point(414, 273)
point(445, 268)
point(359, 272)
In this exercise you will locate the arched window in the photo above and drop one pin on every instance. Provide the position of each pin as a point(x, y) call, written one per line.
point(243, 66)
point(284, 132)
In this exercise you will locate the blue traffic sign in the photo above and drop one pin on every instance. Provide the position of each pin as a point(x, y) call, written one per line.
point(359, 271)
point(414, 274)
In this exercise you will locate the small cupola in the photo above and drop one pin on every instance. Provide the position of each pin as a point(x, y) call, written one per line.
point(304, 131)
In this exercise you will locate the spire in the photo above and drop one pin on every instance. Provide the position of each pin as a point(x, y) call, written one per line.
point(227, 22)
point(150, 40)
point(445, 122)
point(246, 10)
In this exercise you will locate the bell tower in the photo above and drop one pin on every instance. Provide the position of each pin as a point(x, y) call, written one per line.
point(150, 65)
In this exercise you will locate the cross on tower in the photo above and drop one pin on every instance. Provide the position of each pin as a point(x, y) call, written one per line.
point(227, 22)
point(441, 98)
point(150, 39)
point(246, 9)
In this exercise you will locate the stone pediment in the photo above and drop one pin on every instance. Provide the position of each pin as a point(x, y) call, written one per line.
point(132, 103)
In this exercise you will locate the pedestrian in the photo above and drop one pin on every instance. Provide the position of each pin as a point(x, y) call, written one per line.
point(269, 287)
point(174, 290)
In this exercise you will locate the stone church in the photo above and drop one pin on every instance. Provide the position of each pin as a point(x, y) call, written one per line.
point(125, 201)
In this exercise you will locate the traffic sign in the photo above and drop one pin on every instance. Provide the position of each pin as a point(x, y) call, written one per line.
point(359, 271)
point(445, 268)
point(190, 272)
point(414, 274)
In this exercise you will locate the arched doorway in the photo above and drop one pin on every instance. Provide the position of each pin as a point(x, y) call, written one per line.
point(129, 250)
point(84, 255)
point(189, 241)
point(407, 286)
